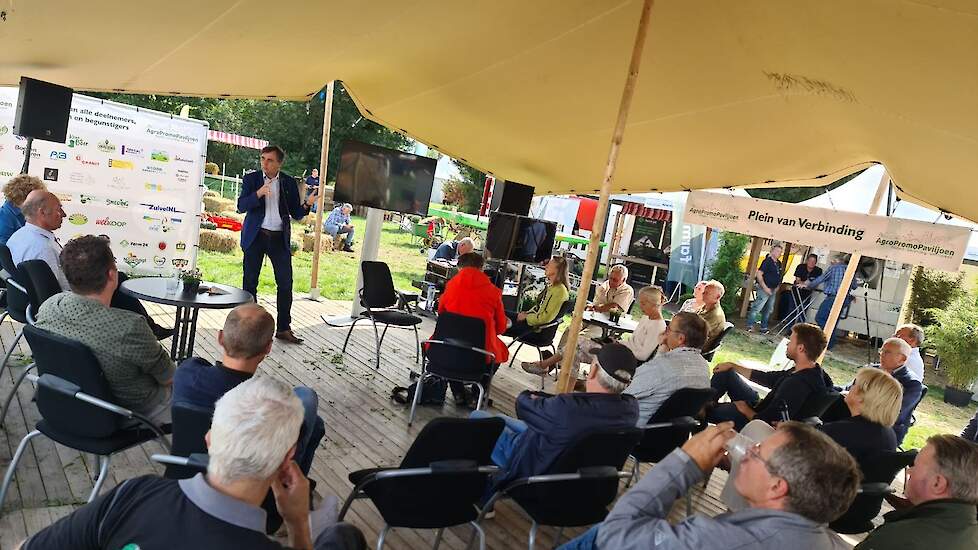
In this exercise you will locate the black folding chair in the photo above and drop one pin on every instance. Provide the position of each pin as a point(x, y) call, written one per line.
point(455, 353)
point(818, 404)
point(439, 482)
point(39, 281)
point(379, 298)
point(76, 406)
point(715, 344)
point(878, 473)
point(541, 336)
point(18, 306)
point(578, 489)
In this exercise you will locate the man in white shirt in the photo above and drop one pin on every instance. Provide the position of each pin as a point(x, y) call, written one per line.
point(35, 241)
point(913, 335)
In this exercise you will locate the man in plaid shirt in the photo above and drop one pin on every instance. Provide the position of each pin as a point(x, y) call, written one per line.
point(338, 223)
point(832, 279)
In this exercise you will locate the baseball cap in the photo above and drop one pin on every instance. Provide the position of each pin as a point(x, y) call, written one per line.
point(616, 357)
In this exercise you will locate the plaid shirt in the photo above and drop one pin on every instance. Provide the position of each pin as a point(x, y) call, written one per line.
point(833, 280)
point(336, 217)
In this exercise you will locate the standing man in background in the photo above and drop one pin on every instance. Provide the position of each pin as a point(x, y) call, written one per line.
point(268, 198)
point(768, 277)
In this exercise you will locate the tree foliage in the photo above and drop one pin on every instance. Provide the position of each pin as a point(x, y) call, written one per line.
point(954, 335)
point(797, 194)
point(468, 191)
point(930, 290)
point(726, 267)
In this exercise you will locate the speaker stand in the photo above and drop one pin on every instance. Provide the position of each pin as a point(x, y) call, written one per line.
point(27, 155)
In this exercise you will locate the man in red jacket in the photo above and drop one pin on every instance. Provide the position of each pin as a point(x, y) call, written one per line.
point(471, 293)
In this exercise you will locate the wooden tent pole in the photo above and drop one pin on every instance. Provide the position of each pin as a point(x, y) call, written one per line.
point(755, 254)
point(840, 296)
point(320, 200)
point(568, 366)
point(616, 237)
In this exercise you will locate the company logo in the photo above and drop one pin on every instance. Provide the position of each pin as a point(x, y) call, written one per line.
point(178, 158)
point(87, 162)
point(171, 135)
point(162, 245)
point(159, 261)
point(105, 146)
point(159, 208)
point(134, 244)
point(132, 151)
point(50, 174)
point(22, 148)
point(117, 202)
point(85, 199)
point(118, 182)
point(6, 174)
point(160, 156)
point(183, 176)
point(133, 260)
point(4, 130)
point(76, 141)
point(78, 219)
point(64, 197)
point(110, 222)
point(181, 245)
point(179, 263)
point(123, 164)
point(150, 169)
point(153, 187)
point(58, 155)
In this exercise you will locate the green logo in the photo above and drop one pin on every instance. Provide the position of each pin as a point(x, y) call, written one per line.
point(130, 546)
point(160, 156)
point(78, 219)
point(4, 130)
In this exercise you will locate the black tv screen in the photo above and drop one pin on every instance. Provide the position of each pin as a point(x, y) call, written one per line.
point(384, 178)
point(519, 239)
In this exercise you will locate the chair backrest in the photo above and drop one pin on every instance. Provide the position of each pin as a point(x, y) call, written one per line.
point(457, 361)
point(656, 443)
point(74, 362)
point(190, 425)
point(41, 281)
point(880, 469)
point(446, 438)
point(7, 263)
point(818, 403)
point(18, 300)
point(378, 285)
point(923, 394)
point(710, 349)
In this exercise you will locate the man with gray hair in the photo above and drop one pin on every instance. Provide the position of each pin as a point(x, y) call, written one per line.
point(943, 491)
point(251, 445)
point(893, 357)
point(338, 223)
point(913, 335)
point(451, 250)
point(245, 340)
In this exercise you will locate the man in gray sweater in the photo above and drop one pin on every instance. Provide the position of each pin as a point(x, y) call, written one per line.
point(796, 481)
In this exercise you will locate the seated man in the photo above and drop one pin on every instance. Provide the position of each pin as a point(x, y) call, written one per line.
point(614, 293)
point(245, 341)
point(338, 223)
point(893, 356)
point(251, 445)
point(450, 250)
point(943, 492)
point(789, 388)
point(35, 241)
point(549, 423)
point(678, 364)
point(139, 371)
point(913, 335)
point(795, 481)
point(712, 312)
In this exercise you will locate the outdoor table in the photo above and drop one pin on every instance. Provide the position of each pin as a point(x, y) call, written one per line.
point(153, 289)
point(624, 325)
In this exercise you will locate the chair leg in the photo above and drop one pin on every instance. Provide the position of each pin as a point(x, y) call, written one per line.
point(103, 470)
point(349, 332)
point(377, 342)
point(10, 350)
point(560, 534)
point(533, 535)
point(4, 315)
point(438, 535)
point(346, 504)
point(482, 535)
point(13, 392)
point(383, 535)
point(417, 397)
point(417, 345)
point(9, 476)
point(384, 334)
point(482, 393)
point(513, 358)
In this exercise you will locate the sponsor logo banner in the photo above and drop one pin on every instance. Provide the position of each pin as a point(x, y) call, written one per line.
point(122, 164)
point(50, 174)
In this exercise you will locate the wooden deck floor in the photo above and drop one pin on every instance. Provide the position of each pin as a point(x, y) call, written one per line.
point(364, 428)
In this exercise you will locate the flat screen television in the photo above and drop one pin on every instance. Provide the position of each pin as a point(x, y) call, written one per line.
point(384, 178)
point(517, 238)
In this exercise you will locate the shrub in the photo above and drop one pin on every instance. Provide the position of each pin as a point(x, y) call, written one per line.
point(726, 268)
point(218, 240)
point(954, 334)
point(931, 289)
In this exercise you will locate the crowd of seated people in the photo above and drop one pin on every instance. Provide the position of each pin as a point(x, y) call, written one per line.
point(873, 404)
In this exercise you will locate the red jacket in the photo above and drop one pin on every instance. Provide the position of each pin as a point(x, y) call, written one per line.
point(472, 294)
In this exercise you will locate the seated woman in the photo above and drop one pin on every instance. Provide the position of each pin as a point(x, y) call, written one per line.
point(874, 403)
point(642, 343)
point(548, 306)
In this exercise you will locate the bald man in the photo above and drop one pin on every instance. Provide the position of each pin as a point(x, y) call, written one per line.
point(245, 340)
point(36, 240)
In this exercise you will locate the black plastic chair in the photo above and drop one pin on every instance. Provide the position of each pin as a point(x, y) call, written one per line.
point(18, 306)
point(878, 473)
point(455, 353)
point(379, 298)
point(76, 406)
point(578, 489)
point(440, 481)
point(818, 403)
point(541, 336)
point(39, 281)
point(715, 344)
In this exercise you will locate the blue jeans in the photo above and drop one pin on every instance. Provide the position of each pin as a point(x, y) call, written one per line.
point(506, 444)
point(763, 305)
point(312, 431)
point(585, 541)
point(334, 230)
point(822, 315)
point(732, 384)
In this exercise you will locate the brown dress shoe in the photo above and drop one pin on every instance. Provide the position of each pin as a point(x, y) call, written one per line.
point(288, 336)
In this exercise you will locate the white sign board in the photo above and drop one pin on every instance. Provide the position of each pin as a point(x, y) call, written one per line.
point(912, 242)
point(133, 175)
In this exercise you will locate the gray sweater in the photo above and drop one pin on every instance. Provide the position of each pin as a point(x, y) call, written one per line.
point(638, 520)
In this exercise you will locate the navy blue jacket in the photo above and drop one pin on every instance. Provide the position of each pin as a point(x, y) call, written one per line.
point(11, 219)
point(253, 206)
point(864, 439)
point(912, 389)
point(557, 421)
point(201, 384)
point(447, 250)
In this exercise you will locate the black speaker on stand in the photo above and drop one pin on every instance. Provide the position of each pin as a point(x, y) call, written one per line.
point(43, 110)
point(511, 197)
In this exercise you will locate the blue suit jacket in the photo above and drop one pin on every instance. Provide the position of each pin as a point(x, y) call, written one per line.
point(253, 206)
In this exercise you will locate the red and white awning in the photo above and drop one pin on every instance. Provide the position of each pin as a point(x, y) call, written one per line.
point(235, 139)
point(641, 211)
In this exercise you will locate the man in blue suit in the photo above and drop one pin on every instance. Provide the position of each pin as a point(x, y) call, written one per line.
point(268, 198)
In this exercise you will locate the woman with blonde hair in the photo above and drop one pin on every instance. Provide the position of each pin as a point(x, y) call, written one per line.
point(15, 192)
point(548, 306)
point(874, 403)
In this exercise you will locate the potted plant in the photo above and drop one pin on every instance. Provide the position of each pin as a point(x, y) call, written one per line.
point(293, 247)
point(954, 335)
point(191, 281)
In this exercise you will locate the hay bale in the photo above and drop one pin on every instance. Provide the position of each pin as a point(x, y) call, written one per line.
point(218, 204)
point(309, 243)
point(212, 193)
point(218, 240)
point(233, 214)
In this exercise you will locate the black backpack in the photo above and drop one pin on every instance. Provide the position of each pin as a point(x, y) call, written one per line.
point(432, 393)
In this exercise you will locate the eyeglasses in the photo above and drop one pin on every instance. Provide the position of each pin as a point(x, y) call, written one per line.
point(754, 451)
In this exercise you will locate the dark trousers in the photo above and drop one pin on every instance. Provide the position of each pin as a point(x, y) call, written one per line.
point(733, 385)
point(129, 303)
point(271, 244)
point(518, 328)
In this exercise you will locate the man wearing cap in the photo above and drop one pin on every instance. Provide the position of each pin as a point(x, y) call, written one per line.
point(548, 424)
point(338, 223)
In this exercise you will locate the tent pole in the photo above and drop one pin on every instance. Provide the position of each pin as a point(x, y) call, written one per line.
point(568, 366)
point(755, 254)
point(840, 296)
point(320, 200)
point(615, 238)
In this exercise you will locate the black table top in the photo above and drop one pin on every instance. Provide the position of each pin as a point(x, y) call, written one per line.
point(153, 289)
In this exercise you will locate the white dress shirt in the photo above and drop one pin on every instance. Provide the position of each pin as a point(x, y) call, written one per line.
point(915, 365)
point(273, 218)
point(35, 243)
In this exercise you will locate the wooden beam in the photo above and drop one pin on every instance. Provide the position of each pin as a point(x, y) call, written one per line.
point(568, 367)
point(851, 268)
point(616, 237)
point(320, 201)
point(755, 253)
